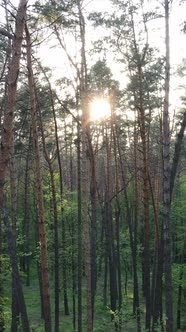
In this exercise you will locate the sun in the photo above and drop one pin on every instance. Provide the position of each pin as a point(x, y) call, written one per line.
point(99, 109)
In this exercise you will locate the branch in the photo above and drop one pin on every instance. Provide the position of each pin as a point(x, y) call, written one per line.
point(177, 150)
point(6, 33)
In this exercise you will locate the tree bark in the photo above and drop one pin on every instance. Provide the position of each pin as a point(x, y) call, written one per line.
point(65, 293)
point(15, 302)
point(166, 182)
point(85, 165)
point(55, 226)
point(11, 88)
point(132, 245)
point(79, 272)
point(15, 271)
point(39, 192)
point(177, 150)
point(12, 77)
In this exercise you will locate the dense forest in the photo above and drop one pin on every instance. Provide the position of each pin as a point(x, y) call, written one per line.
point(92, 167)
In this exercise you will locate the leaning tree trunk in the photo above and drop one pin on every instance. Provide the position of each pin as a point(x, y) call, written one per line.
point(39, 192)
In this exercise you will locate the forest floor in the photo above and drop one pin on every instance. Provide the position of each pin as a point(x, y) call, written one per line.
point(102, 319)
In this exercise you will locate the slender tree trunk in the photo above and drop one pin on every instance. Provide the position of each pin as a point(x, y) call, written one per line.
point(63, 224)
point(157, 308)
point(55, 225)
point(15, 271)
point(39, 263)
point(93, 225)
point(39, 192)
point(85, 165)
point(166, 182)
point(136, 305)
point(117, 208)
point(145, 204)
point(180, 287)
point(74, 247)
point(2, 321)
point(132, 245)
point(26, 210)
point(79, 272)
point(105, 278)
point(73, 277)
point(177, 151)
point(56, 247)
point(15, 302)
point(85, 196)
point(64, 269)
point(109, 232)
point(178, 319)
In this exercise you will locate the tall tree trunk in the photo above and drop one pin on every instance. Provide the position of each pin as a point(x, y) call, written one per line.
point(11, 88)
point(79, 272)
point(93, 224)
point(145, 202)
point(85, 165)
point(2, 321)
point(139, 103)
point(133, 237)
point(166, 182)
point(157, 308)
point(180, 287)
point(109, 231)
point(55, 226)
point(15, 302)
point(178, 319)
point(39, 262)
point(39, 192)
point(117, 208)
point(85, 199)
point(56, 246)
point(136, 305)
point(73, 277)
point(64, 264)
point(12, 77)
point(26, 211)
point(15, 271)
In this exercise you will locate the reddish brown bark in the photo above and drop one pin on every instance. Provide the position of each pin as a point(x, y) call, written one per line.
point(6, 138)
point(39, 192)
point(12, 77)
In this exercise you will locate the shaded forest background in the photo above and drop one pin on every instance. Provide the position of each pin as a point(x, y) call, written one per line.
point(92, 232)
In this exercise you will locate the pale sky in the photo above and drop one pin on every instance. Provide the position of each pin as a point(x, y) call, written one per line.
point(54, 57)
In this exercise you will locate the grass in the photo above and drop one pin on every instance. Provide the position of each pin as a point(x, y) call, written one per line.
point(32, 298)
point(102, 318)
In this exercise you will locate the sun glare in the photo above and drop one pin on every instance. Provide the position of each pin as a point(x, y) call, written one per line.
point(99, 109)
